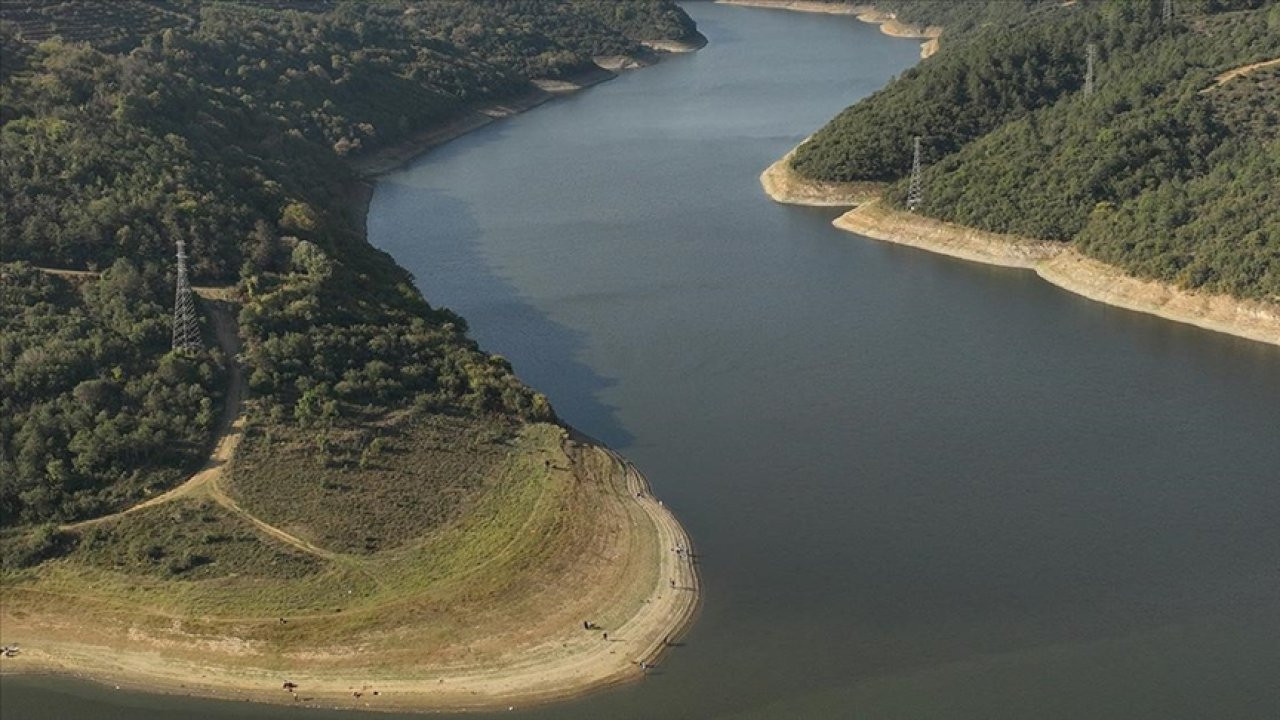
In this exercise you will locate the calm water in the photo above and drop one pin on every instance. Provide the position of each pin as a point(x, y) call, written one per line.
point(922, 488)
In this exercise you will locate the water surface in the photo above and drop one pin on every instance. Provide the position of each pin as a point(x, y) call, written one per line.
point(922, 488)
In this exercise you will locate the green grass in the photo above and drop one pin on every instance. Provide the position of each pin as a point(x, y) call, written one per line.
point(188, 540)
point(524, 521)
point(366, 489)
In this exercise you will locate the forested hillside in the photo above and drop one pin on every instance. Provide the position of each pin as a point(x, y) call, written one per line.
point(93, 410)
point(127, 125)
point(1155, 172)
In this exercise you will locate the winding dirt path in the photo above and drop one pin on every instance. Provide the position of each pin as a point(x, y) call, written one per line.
point(560, 661)
point(206, 482)
point(1241, 71)
point(229, 430)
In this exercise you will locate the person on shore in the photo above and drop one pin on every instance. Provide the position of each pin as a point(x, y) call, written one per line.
point(606, 637)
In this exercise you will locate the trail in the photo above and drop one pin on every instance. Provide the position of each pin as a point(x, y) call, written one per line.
point(206, 482)
point(1241, 71)
point(229, 430)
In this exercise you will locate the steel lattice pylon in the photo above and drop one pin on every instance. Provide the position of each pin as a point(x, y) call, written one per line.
point(1091, 58)
point(1167, 14)
point(915, 192)
point(186, 327)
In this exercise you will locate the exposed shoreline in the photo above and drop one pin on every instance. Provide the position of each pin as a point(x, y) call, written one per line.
point(1057, 263)
point(541, 672)
point(876, 221)
point(1063, 266)
point(785, 185)
point(571, 663)
point(867, 13)
point(393, 157)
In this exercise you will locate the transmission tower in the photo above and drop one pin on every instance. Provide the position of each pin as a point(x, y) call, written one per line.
point(1091, 59)
point(915, 193)
point(186, 329)
point(1167, 14)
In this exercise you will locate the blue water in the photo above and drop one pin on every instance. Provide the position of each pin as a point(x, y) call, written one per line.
point(921, 488)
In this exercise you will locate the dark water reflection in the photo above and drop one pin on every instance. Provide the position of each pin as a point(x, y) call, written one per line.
point(922, 488)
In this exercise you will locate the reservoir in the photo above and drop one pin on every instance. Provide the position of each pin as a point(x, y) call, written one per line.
point(920, 488)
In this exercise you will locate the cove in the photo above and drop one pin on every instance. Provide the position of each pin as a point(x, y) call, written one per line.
point(920, 488)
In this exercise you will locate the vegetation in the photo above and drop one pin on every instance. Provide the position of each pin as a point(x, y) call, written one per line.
point(94, 411)
point(188, 540)
point(412, 474)
point(1152, 173)
point(197, 559)
point(110, 25)
point(232, 125)
point(397, 494)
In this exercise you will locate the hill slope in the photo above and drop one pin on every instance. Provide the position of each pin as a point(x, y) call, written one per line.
point(1152, 173)
point(391, 481)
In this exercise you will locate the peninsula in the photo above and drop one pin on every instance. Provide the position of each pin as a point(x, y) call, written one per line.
point(334, 497)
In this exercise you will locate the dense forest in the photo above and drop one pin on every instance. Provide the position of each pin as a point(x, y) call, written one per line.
point(93, 409)
point(1160, 171)
point(127, 125)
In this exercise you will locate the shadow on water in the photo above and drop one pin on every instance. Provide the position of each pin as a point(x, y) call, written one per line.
point(926, 489)
point(499, 317)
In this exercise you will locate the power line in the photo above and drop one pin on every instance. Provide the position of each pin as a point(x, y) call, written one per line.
point(186, 328)
point(1091, 59)
point(915, 193)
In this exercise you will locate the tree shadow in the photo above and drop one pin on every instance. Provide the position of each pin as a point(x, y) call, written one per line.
point(436, 237)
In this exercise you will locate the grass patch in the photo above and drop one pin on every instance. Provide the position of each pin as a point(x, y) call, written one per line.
point(372, 488)
point(189, 540)
point(531, 538)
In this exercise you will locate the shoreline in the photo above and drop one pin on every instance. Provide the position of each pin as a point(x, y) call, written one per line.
point(785, 185)
point(650, 626)
point(1056, 263)
point(878, 222)
point(571, 664)
point(397, 155)
point(867, 13)
point(1062, 265)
